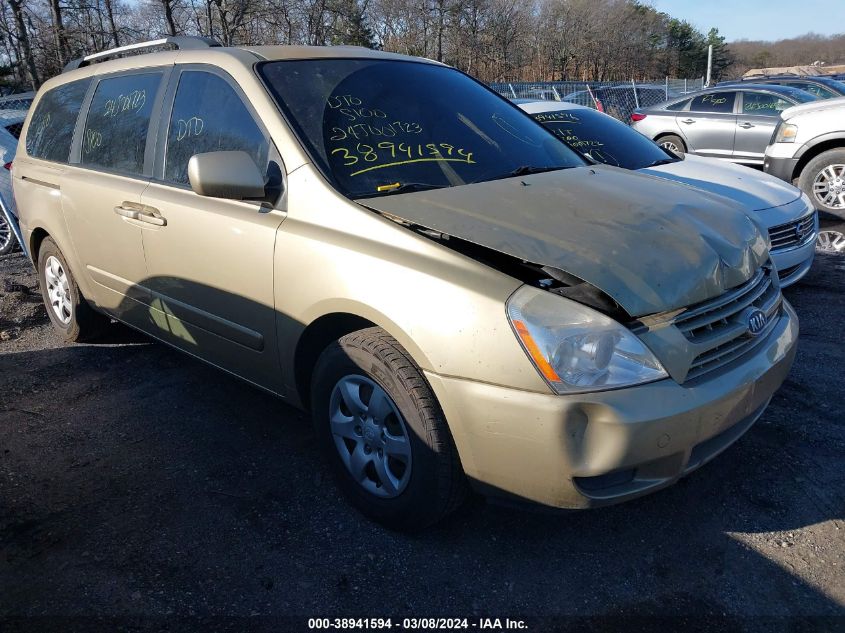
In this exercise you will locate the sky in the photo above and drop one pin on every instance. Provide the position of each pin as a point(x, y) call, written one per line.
point(758, 19)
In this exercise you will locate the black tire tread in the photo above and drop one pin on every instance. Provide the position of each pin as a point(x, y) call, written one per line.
point(451, 481)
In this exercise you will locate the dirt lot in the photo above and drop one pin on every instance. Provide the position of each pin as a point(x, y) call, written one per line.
point(136, 482)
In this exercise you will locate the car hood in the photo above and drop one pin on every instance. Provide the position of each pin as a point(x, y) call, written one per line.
point(753, 189)
point(813, 106)
point(650, 244)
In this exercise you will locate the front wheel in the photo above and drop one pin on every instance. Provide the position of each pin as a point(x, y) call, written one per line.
point(823, 180)
point(384, 433)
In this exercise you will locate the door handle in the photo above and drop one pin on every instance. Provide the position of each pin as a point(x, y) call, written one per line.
point(126, 212)
point(746, 126)
point(146, 214)
point(688, 121)
point(151, 216)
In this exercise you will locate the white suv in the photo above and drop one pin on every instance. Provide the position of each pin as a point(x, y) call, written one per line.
point(808, 145)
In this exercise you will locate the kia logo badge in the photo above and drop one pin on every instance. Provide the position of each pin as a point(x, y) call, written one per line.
point(756, 322)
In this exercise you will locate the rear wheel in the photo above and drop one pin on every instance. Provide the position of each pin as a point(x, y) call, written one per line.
point(823, 179)
point(673, 143)
point(384, 433)
point(67, 308)
point(7, 238)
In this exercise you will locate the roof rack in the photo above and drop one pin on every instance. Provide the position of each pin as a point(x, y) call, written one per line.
point(181, 42)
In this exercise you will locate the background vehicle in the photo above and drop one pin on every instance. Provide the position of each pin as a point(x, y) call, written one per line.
point(820, 86)
point(620, 101)
point(10, 130)
point(734, 123)
point(19, 101)
point(787, 214)
point(808, 147)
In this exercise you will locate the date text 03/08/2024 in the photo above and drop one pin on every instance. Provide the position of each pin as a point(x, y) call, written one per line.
point(418, 624)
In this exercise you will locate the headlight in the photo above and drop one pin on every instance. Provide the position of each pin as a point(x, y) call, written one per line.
point(577, 349)
point(786, 133)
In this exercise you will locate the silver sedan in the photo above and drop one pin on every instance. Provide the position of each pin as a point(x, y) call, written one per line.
point(733, 123)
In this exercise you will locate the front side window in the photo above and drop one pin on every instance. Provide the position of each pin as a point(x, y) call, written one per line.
point(715, 102)
point(380, 126)
point(603, 138)
point(115, 135)
point(763, 104)
point(209, 116)
point(50, 130)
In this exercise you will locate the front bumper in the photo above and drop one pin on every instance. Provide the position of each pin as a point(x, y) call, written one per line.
point(595, 449)
point(792, 262)
point(783, 168)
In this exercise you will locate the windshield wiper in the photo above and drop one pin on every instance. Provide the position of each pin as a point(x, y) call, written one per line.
point(404, 187)
point(662, 161)
point(524, 170)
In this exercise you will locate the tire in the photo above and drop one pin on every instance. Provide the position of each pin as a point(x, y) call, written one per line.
point(429, 483)
point(7, 237)
point(826, 172)
point(68, 310)
point(673, 143)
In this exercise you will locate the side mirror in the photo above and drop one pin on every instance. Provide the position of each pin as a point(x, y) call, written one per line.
point(232, 175)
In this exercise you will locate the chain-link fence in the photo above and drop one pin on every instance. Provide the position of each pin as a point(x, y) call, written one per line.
point(617, 98)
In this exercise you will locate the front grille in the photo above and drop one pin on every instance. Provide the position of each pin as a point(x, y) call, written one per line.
point(792, 234)
point(719, 327)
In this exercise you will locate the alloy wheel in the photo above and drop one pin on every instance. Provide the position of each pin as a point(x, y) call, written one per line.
point(830, 242)
point(58, 290)
point(829, 186)
point(670, 146)
point(5, 234)
point(370, 436)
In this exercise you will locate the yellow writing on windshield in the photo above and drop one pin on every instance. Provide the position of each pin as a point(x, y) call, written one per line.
point(386, 154)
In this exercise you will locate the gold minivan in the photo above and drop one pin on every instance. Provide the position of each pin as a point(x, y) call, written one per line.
point(459, 299)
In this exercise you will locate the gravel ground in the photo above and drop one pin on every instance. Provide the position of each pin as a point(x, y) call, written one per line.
point(137, 483)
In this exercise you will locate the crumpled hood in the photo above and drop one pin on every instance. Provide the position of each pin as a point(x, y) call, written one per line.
point(651, 244)
point(752, 189)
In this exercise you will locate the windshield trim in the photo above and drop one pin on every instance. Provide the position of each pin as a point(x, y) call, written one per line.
point(317, 164)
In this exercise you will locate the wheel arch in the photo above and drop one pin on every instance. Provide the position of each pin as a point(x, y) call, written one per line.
point(36, 238)
point(819, 146)
point(663, 135)
point(329, 327)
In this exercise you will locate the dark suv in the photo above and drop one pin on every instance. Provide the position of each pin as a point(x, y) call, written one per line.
point(822, 87)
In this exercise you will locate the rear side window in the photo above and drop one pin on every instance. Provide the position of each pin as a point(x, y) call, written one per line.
point(681, 105)
point(50, 130)
point(209, 116)
point(763, 104)
point(716, 102)
point(115, 136)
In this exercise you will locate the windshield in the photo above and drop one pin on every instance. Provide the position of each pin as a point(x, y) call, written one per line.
point(380, 126)
point(603, 138)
